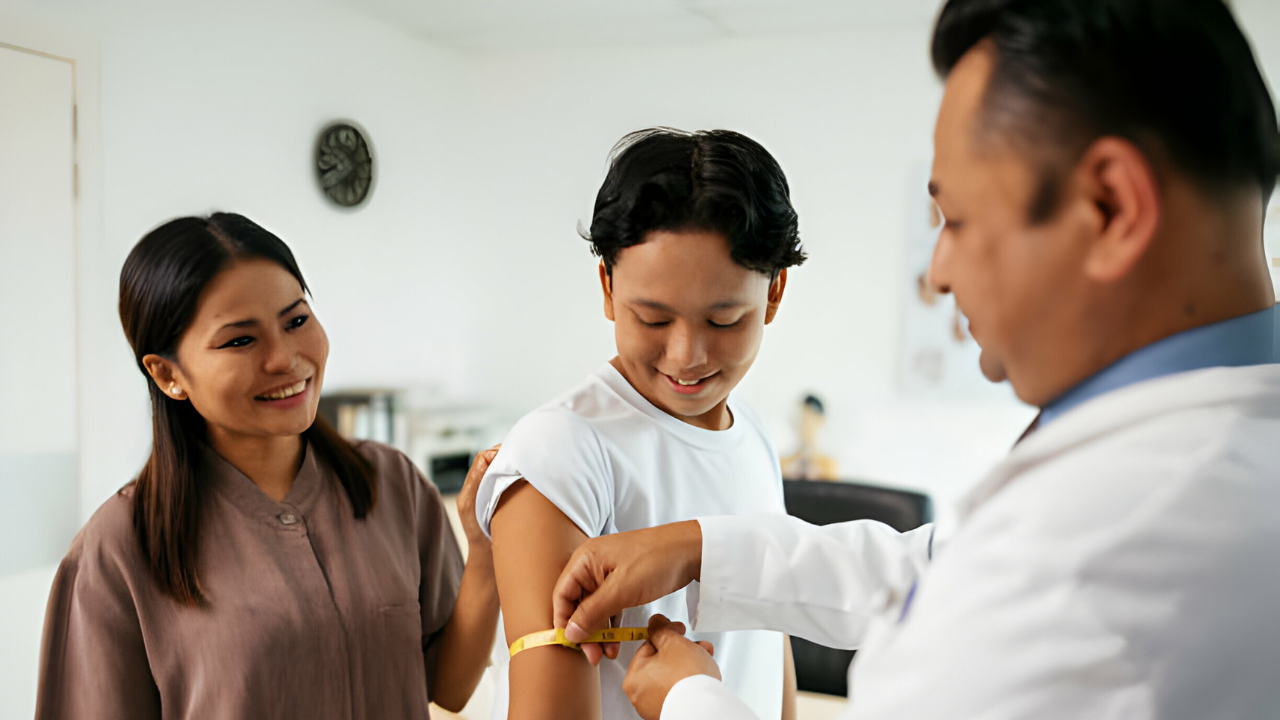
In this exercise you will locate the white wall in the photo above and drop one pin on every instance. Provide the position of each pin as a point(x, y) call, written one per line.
point(209, 108)
point(848, 115)
point(464, 272)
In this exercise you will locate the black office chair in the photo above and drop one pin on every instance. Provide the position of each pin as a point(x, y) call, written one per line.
point(822, 669)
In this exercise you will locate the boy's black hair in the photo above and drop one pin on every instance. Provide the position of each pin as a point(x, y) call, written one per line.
point(1175, 77)
point(714, 180)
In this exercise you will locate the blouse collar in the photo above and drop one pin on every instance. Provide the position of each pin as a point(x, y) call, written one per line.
point(243, 493)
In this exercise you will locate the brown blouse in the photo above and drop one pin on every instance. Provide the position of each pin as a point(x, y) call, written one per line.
point(312, 613)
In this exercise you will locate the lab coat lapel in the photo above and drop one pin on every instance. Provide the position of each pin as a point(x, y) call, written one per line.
point(1120, 409)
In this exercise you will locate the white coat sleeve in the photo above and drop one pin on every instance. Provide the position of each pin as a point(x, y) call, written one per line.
point(824, 584)
point(701, 697)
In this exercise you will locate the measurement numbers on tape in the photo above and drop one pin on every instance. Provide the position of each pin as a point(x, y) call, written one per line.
point(556, 637)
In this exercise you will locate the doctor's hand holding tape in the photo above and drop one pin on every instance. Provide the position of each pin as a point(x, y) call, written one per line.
point(1102, 167)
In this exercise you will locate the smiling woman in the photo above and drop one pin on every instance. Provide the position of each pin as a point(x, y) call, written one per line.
point(235, 329)
point(259, 565)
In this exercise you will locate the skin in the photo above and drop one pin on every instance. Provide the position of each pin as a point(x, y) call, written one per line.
point(682, 310)
point(1134, 252)
point(253, 332)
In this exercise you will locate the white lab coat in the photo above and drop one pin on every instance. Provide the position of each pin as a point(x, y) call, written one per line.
point(1121, 562)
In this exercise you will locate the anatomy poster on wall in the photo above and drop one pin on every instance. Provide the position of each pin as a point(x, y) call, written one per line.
point(939, 358)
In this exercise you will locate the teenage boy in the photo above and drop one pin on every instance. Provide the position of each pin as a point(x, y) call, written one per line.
point(695, 232)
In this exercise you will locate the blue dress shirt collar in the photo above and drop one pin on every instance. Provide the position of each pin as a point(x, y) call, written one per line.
point(1252, 339)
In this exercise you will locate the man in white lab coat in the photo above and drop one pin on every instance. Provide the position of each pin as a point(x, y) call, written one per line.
point(1102, 166)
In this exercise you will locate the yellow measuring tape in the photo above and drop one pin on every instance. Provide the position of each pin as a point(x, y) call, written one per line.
point(556, 637)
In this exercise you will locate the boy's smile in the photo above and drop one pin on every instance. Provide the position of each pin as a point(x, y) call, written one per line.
point(688, 387)
point(688, 321)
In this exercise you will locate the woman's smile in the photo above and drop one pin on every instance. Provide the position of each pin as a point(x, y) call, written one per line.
point(286, 397)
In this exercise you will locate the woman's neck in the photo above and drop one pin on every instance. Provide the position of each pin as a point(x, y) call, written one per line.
point(270, 462)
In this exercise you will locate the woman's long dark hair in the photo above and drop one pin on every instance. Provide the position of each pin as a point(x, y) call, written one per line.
point(160, 287)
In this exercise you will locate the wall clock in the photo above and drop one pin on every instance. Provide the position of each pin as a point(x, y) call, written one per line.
point(344, 165)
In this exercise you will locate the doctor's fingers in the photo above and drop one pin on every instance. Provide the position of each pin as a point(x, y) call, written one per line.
point(608, 574)
point(666, 659)
point(596, 651)
point(663, 632)
point(678, 656)
point(589, 590)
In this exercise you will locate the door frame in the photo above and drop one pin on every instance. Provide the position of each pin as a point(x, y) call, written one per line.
point(82, 53)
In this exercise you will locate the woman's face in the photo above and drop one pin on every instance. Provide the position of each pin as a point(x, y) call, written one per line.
point(252, 360)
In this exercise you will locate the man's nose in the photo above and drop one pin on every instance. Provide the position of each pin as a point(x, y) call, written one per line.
point(939, 276)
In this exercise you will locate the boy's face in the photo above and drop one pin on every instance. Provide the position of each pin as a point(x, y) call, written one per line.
point(688, 321)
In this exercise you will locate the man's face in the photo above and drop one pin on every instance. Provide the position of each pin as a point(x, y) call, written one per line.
point(688, 321)
point(1014, 280)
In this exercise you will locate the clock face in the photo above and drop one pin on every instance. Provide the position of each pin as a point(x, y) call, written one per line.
point(344, 165)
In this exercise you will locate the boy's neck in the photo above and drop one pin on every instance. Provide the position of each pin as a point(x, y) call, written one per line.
point(717, 418)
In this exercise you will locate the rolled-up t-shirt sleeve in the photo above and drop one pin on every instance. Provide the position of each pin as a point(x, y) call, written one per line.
point(560, 455)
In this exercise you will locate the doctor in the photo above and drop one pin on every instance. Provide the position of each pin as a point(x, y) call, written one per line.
point(1103, 166)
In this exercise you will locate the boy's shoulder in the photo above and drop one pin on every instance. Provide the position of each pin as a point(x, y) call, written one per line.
point(582, 409)
point(570, 419)
point(593, 398)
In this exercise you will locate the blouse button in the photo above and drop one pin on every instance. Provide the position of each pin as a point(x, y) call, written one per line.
point(288, 518)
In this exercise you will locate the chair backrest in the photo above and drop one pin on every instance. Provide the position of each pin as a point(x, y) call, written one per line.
point(822, 669)
point(822, 503)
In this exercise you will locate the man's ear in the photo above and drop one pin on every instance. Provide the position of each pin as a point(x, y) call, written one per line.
point(776, 289)
point(606, 284)
point(166, 376)
point(1123, 188)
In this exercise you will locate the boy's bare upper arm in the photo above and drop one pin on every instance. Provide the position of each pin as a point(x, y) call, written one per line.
point(532, 542)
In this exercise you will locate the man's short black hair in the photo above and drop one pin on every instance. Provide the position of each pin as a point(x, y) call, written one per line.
point(1175, 77)
point(713, 180)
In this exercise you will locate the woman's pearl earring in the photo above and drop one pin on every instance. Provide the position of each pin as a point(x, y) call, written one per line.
point(175, 390)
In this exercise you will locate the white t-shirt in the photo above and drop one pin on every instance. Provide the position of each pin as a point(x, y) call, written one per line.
point(611, 461)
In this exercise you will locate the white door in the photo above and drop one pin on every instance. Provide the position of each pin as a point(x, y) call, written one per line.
point(38, 440)
point(38, 437)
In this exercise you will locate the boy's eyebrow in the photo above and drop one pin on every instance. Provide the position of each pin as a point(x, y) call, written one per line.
point(654, 305)
point(727, 305)
point(723, 305)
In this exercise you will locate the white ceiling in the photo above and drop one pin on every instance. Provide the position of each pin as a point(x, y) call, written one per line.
point(501, 24)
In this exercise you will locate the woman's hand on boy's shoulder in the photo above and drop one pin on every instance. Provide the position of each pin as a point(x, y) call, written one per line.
point(476, 539)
